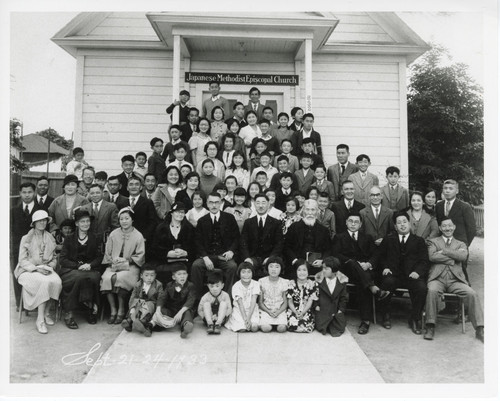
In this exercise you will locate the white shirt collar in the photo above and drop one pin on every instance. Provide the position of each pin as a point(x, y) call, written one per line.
point(263, 217)
point(98, 204)
point(401, 236)
point(346, 201)
point(451, 202)
point(446, 239)
point(376, 207)
point(214, 98)
point(215, 216)
point(30, 205)
point(355, 234)
point(44, 197)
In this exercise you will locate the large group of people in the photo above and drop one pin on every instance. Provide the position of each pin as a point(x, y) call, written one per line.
point(240, 221)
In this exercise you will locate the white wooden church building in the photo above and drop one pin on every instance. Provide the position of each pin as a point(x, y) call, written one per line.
point(349, 69)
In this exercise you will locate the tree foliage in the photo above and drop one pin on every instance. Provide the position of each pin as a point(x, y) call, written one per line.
point(16, 165)
point(445, 125)
point(52, 135)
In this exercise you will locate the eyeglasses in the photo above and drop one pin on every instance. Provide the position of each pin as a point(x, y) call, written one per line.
point(374, 195)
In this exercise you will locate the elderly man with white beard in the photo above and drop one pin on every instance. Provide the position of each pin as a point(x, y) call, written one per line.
point(307, 239)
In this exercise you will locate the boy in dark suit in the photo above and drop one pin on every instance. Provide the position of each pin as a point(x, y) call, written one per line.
point(339, 172)
point(394, 196)
point(189, 128)
point(283, 167)
point(284, 190)
point(184, 97)
point(307, 132)
point(343, 207)
point(128, 164)
point(305, 175)
point(156, 162)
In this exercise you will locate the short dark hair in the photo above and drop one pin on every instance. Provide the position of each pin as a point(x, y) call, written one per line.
point(153, 141)
point(305, 156)
point(207, 161)
point(321, 166)
point(194, 109)
point(250, 112)
point(95, 186)
point(77, 150)
point(267, 108)
point(283, 114)
point(307, 115)
point(307, 140)
point(323, 194)
point(215, 81)
point(180, 145)
point(267, 190)
point(343, 146)
point(184, 92)
point(245, 266)
point(287, 140)
point(41, 178)
point(201, 194)
point(140, 154)
point(113, 177)
point(261, 173)
point(265, 121)
point(401, 213)
point(295, 110)
point(286, 174)
point(216, 194)
point(283, 157)
point(89, 168)
point(253, 89)
point(213, 112)
point(261, 195)
point(207, 145)
point(27, 185)
point(128, 158)
point(440, 220)
point(347, 182)
point(236, 105)
point(266, 153)
point(231, 177)
point(149, 175)
point(215, 276)
point(219, 186)
point(101, 175)
point(363, 156)
point(176, 126)
point(294, 200)
point(354, 213)
point(392, 170)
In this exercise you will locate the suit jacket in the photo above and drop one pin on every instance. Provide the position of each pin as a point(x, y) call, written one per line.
point(294, 241)
point(119, 200)
point(105, 221)
point(46, 204)
point(463, 217)
point(328, 221)
point(334, 175)
point(69, 254)
point(298, 137)
point(403, 262)
point(376, 228)
point(230, 234)
point(327, 187)
point(427, 226)
point(58, 212)
point(276, 184)
point(152, 295)
point(122, 177)
point(280, 202)
point(403, 199)
point(156, 166)
point(260, 109)
point(362, 187)
point(169, 299)
point(186, 132)
point(440, 256)
point(362, 250)
point(20, 225)
point(145, 220)
point(329, 306)
point(341, 212)
point(304, 182)
point(271, 243)
point(164, 241)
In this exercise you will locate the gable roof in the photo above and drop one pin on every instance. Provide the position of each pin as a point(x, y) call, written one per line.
point(35, 143)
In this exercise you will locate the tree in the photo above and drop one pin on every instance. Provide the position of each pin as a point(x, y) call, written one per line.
point(445, 125)
point(16, 165)
point(53, 136)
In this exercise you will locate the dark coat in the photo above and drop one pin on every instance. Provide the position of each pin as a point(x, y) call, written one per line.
point(46, 204)
point(122, 177)
point(298, 137)
point(329, 306)
point(463, 217)
point(152, 295)
point(341, 213)
point(229, 231)
point(145, 219)
point(414, 259)
point(156, 166)
point(164, 241)
point(362, 250)
point(337, 178)
point(69, 253)
point(271, 243)
point(294, 241)
point(167, 298)
point(20, 224)
point(280, 202)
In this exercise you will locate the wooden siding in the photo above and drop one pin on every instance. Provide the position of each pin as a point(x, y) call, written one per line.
point(123, 104)
point(358, 28)
point(132, 25)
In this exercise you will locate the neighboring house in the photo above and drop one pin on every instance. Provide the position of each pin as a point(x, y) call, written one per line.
point(35, 153)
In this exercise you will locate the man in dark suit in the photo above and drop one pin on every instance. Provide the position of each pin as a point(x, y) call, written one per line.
point(403, 261)
point(238, 115)
point(187, 130)
point(145, 219)
point(43, 200)
point(284, 190)
point(261, 236)
point(105, 215)
point(128, 163)
point(339, 172)
point(346, 205)
point(217, 240)
point(20, 224)
point(308, 236)
point(376, 217)
point(460, 212)
point(254, 103)
point(114, 187)
point(356, 252)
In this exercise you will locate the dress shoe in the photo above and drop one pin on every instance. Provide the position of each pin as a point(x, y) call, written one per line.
point(112, 319)
point(49, 321)
point(480, 333)
point(186, 329)
point(414, 326)
point(429, 333)
point(148, 328)
point(42, 329)
point(92, 318)
point(217, 328)
point(127, 324)
point(119, 319)
point(363, 328)
point(381, 294)
point(210, 329)
point(70, 323)
point(386, 322)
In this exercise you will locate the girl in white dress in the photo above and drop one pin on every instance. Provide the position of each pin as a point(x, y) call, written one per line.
point(273, 297)
point(245, 314)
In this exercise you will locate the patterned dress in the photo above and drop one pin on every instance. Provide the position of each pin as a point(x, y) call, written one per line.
point(299, 297)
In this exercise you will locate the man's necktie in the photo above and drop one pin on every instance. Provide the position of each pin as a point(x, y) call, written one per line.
point(448, 242)
point(40, 202)
point(343, 169)
point(447, 209)
point(96, 211)
point(255, 107)
point(376, 213)
point(27, 210)
point(353, 235)
point(261, 223)
point(403, 239)
point(132, 202)
point(321, 214)
point(349, 205)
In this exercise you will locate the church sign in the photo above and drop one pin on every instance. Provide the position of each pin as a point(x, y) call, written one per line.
point(242, 79)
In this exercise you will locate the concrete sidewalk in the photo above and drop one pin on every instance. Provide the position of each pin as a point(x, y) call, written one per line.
point(233, 358)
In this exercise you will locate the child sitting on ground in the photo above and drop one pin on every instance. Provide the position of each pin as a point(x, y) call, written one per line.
point(143, 301)
point(176, 302)
point(332, 298)
point(245, 315)
point(273, 301)
point(215, 306)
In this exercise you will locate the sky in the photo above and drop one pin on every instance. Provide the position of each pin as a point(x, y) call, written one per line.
point(42, 75)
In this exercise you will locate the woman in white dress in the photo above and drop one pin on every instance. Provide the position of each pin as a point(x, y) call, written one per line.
point(35, 270)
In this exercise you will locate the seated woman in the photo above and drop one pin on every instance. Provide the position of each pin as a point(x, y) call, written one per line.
point(164, 196)
point(80, 263)
point(35, 270)
point(124, 254)
point(173, 243)
point(422, 224)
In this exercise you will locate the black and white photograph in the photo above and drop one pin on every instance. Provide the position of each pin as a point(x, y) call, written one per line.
point(281, 201)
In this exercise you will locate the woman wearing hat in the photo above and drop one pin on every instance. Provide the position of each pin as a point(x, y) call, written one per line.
point(35, 270)
point(80, 262)
point(63, 206)
point(173, 243)
point(124, 256)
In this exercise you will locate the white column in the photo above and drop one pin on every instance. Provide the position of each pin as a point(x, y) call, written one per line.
point(176, 76)
point(308, 68)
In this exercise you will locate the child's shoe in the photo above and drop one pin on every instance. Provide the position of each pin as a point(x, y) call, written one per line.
point(138, 326)
point(127, 324)
point(210, 329)
point(148, 328)
point(186, 329)
point(216, 328)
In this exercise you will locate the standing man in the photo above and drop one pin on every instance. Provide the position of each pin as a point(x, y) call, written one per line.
point(461, 213)
point(88, 176)
point(376, 217)
point(42, 198)
point(254, 103)
point(20, 224)
point(403, 262)
point(149, 186)
point(238, 115)
point(214, 100)
point(114, 187)
point(261, 237)
point(340, 172)
point(192, 123)
point(446, 275)
point(217, 239)
point(128, 164)
point(346, 205)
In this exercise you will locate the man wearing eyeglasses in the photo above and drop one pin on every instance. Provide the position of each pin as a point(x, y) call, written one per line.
point(376, 218)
